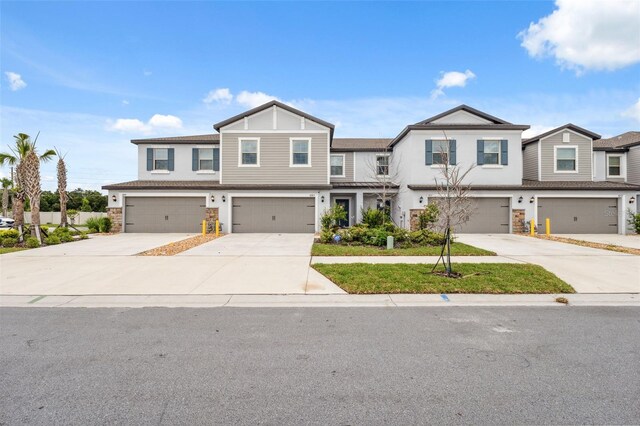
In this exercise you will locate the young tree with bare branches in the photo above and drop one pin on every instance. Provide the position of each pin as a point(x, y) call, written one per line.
point(384, 169)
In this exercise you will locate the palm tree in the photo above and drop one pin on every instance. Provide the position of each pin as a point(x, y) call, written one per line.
point(62, 188)
point(6, 184)
point(15, 157)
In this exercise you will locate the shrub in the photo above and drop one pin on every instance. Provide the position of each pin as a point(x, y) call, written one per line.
point(358, 232)
point(83, 235)
point(9, 242)
point(326, 236)
point(93, 224)
point(345, 235)
point(66, 238)
point(52, 240)
point(634, 220)
point(9, 233)
point(330, 219)
point(372, 217)
point(32, 242)
point(104, 224)
point(428, 216)
point(72, 215)
point(376, 237)
point(425, 237)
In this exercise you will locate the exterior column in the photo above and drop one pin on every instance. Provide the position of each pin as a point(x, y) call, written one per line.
point(359, 205)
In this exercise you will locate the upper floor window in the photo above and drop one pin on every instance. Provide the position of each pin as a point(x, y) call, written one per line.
point(249, 152)
point(614, 166)
point(300, 155)
point(206, 159)
point(440, 152)
point(337, 165)
point(382, 165)
point(566, 159)
point(161, 159)
point(492, 152)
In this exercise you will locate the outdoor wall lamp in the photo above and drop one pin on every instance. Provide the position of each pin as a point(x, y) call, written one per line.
point(322, 198)
point(114, 198)
point(213, 198)
point(631, 200)
point(519, 199)
point(421, 200)
point(224, 199)
point(532, 200)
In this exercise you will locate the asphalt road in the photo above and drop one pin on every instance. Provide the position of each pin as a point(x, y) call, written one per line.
point(341, 366)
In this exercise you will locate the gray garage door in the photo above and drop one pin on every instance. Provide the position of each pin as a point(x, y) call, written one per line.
point(285, 215)
point(489, 216)
point(579, 215)
point(164, 214)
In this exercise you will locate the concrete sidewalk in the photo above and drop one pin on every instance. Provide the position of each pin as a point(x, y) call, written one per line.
point(344, 300)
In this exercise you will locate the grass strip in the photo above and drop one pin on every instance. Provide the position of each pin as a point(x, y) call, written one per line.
point(457, 249)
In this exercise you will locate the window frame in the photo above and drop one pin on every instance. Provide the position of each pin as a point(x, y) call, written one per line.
point(344, 161)
point(388, 165)
point(619, 156)
point(200, 159)
point(155, 158)
point(308, 141)
point(484, 152)
point(555, 158)
point(240, 141)
point(447, 142)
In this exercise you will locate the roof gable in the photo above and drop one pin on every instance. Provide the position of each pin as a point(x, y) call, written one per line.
point(568, 126)
point(459, 114)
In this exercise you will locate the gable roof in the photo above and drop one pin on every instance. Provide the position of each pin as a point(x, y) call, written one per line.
point(268, 105)
point(568, 126)
point(360, 144)
point(211, 138)
point(621, 142)
point(467, 108)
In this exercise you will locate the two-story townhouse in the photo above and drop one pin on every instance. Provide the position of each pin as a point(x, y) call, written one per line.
point(277, 169)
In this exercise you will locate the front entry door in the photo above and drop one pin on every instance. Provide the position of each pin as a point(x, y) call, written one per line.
point(345, 205)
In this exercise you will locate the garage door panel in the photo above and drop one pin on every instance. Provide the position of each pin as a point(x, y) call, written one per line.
point(273, 214)
point(490, 215)
point(579, 215)
point(164, 214)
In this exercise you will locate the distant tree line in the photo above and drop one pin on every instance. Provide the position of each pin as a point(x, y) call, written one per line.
point(80, 199)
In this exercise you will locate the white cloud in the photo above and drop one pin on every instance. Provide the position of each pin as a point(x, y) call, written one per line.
point(134, 125)
point(125, 102)
point(587, 35)
point(451, 79)
point(222, 95)
point(15, 81)
point(254, 99)
point(633, 111)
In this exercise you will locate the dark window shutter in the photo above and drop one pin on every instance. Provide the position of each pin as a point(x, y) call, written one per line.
point(149, 159)
point(171, 156)
point(504, 152)
point(195, 156)
point(480, 159)
point(452, 152)
point(216, 159)
point(428, 152)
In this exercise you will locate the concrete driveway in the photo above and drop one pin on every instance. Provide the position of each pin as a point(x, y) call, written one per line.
point(630, 241)
point(244, 264)
point(588, 270)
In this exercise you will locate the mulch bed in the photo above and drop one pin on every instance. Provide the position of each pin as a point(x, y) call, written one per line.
point(179, 246)
point(583, 243)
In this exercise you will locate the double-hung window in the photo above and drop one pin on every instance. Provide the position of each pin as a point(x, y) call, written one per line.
point(205, 159)
point(440, 151)
point(249, 152)
point(614, 166)
point(300, 155)
point(337, 165)
point(160, 159)
point(566, 159)
point(491, 152)
point(382, 165)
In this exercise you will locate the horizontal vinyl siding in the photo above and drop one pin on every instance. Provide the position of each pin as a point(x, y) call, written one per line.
point(274, 160)
point(530, 162)
point(633, 165)
point(348, 168)
point(584, 158)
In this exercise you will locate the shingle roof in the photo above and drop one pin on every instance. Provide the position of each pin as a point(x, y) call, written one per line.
point(549, 185)
point(467, 108)
point(360, 144)
point(366, 185)
point(211, 138)
point(620, 142)
point(569, 126)
point(203, 185)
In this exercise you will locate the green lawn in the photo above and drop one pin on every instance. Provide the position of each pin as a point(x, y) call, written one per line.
point(491, 278)
point(457, 249)
point(5, 250)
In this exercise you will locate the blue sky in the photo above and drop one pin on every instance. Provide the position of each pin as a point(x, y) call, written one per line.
point(91, 76)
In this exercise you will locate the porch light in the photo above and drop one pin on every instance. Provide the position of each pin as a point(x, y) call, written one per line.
point(532, 200)
point(213, 198)
point(224, 199)
point(421, 200)
point(114, 198)
point(322, 198)
point(519, 199)
point(632, 200)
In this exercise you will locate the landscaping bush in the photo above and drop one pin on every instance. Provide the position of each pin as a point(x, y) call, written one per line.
point(376, 237)
point(427, 238)
point(428, 216)
point(105, 224)
point(64, 234)
point(634, 220)
point(99, 224)
point(32, 242)
point(93, 224)
point(83, 235)
point(345, 235)
point(330, 219)
point(52, 240)
point(372, 217)
point(9, 242)
point(326, 236)
point(9, 233)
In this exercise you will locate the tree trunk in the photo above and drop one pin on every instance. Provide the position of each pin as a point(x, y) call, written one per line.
point(18, 210)
point(35, 218)
point(5, 201)
point(63, 211)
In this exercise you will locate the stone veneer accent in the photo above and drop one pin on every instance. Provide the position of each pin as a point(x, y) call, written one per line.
point(414, 222)
point(211, 215)
point(517, 219)
point(115, 214)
